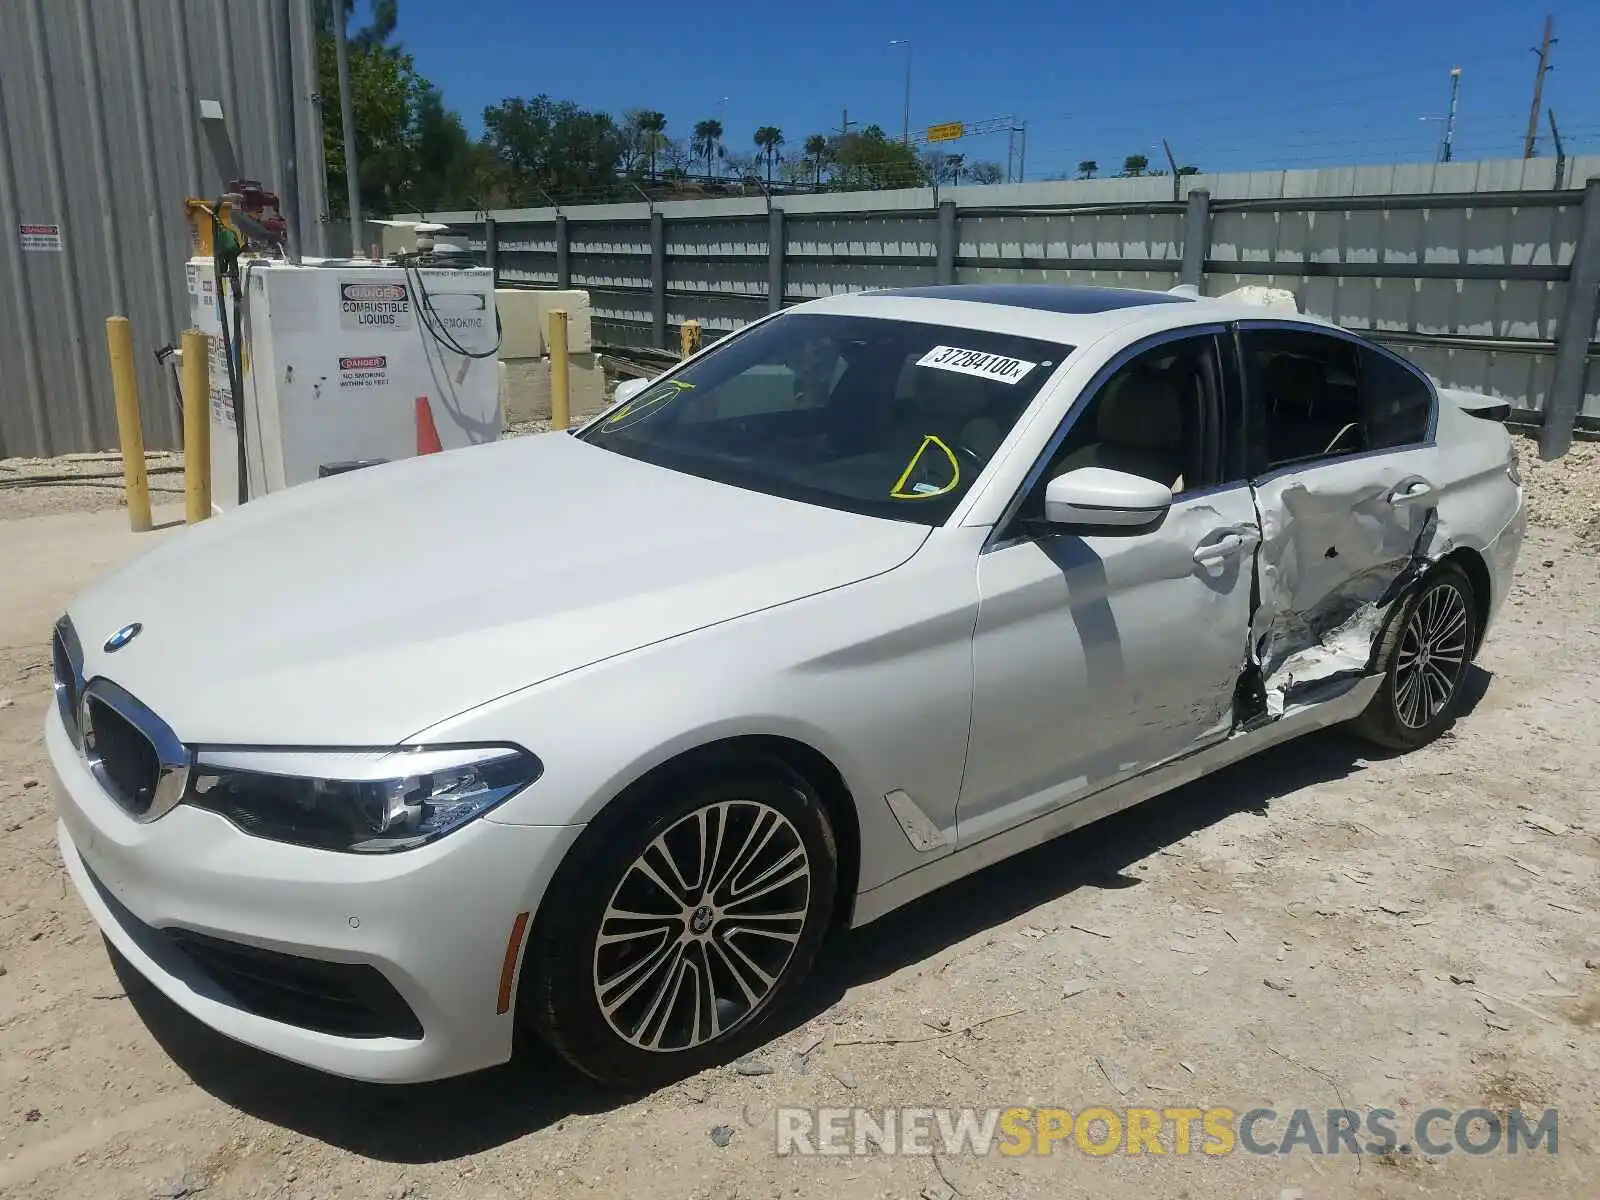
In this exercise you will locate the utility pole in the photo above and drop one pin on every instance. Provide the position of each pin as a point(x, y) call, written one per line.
point(1172, 165)
point(905, 117)
point(1538, 87)
point(844, 122)
point(1447, 151)
point(347, 121)
point(1561, 151)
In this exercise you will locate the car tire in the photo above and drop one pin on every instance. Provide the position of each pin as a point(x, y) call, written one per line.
point(644, 965)
point(1425, 654)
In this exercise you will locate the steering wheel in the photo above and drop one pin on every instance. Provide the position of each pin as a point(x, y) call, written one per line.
point(969, 452)
point(1339, 437)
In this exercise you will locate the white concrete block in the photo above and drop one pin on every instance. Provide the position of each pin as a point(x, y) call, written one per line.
point(525, 320)
point(525, 387)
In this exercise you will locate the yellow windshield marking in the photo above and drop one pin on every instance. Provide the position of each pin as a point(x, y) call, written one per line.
point(897, 491)
point(635, 411)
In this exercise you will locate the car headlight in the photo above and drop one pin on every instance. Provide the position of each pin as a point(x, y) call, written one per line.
point(1514, 472)
point(361, 801)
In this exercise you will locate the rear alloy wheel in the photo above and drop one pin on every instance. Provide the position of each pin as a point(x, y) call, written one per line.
point(678, 924)
point(1427, 655)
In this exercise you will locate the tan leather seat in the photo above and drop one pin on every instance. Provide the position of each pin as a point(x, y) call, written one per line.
point(1138, 429)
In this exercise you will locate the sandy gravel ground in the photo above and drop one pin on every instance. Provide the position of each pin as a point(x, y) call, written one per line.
point(1319, 927)
point(33, 487)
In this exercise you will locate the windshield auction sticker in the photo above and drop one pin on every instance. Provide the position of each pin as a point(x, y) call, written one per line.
point(975, 362)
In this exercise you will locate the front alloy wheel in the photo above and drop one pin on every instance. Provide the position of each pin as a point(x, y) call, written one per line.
point(702, 925)
point(684, 915)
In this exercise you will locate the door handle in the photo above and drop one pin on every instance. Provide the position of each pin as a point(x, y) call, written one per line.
point(1223, 548)
point(1411, 491)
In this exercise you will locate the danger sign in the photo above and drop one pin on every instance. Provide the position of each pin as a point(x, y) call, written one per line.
point(363, 370)
point(374, 306)
point(40, 237)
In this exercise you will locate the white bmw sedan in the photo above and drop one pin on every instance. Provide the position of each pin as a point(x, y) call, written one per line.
point(604, 732)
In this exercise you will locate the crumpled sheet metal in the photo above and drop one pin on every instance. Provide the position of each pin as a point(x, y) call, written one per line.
point(1330, 568)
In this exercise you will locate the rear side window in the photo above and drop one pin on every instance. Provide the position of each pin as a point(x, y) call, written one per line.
point(1307, 387)
point(1398, 402)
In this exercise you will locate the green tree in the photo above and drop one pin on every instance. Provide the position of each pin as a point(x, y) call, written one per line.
point(386, 92)
point(769, 138)
point(708, 141)
point(1087, 167)
point(868, 159)
point(413, 153)
point(1135, 165)
point(654, 125)
point(450, 166)
point(552, 145)
point(817, 154)
point(643, 137)
point(383, 16)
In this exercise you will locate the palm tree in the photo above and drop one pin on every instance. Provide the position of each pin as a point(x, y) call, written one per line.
point(769, 138)
point(817, 153)
point(1087, 168)
point(653, 125)
point(707, 141)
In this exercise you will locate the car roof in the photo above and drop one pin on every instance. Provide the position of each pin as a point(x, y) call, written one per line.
point(1078, 300)
point(1068, 314)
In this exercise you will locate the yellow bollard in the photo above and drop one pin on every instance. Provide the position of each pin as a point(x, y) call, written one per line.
point(560, 383)
point(689, 338)
point(130, 430)
point(196, 426)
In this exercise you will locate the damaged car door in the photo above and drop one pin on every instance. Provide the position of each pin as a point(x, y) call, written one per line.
point(1346, 482)
point(1097, 655)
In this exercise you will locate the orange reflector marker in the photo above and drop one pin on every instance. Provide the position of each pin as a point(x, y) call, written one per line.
point(508, 969)
point(427, 432)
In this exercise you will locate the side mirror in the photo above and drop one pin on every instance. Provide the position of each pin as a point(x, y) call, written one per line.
point(1097, 499)
point(628, 389)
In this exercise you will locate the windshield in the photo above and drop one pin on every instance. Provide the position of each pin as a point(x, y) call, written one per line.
point(888, 418)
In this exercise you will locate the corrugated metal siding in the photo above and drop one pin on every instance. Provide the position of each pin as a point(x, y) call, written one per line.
point(100, 134)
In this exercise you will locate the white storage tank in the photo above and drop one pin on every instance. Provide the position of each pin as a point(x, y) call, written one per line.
point(348, 363)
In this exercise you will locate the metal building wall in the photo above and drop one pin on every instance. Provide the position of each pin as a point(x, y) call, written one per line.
point(1462, 266)
point(100, 135)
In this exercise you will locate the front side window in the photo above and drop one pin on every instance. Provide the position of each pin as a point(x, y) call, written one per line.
point(1156, 416)
point(883, 417)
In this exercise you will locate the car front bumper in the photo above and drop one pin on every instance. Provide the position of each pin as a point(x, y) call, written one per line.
point(435, 922)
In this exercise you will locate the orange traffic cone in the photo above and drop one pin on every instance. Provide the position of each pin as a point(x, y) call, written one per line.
point(427, 432)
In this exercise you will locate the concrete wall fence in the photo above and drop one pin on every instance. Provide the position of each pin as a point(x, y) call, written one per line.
point(1471, 269)
point(100, 142)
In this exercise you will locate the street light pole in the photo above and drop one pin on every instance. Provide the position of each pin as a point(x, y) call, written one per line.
point(722, 119)
point(1450, 122)
point(905, 117)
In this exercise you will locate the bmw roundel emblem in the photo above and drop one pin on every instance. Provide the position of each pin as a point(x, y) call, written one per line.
point(122, 637)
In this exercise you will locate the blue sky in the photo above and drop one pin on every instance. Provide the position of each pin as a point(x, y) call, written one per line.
point(1237, 85)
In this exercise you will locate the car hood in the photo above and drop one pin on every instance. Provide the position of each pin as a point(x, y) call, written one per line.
point(363, 608)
